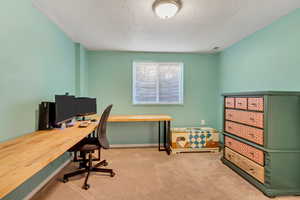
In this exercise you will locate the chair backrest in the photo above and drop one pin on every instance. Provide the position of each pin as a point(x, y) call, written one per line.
point(101, 130)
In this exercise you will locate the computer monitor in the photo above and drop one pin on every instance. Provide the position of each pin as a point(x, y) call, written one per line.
point(65, 108)
point(86, 106)
point(92, 106)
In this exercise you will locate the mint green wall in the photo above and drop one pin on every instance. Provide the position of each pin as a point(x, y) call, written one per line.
point(81, 70)
point(266, 60)
point(37, 61)
point(110, 80)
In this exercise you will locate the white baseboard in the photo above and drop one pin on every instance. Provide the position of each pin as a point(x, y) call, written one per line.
point(42, 184)
point(133, 145)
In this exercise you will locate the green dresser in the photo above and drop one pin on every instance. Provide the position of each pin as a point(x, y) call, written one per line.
point(262, 139)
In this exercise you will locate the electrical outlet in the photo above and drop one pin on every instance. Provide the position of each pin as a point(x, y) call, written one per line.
point(202, 122)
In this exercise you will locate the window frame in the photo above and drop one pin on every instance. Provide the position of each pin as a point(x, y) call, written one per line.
point(181, 94)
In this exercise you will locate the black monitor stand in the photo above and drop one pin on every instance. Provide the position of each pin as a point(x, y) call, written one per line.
point(61, 126)
point(70, 123)
point(66, 124)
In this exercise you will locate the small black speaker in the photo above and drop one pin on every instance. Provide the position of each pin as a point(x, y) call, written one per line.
point(46, 115)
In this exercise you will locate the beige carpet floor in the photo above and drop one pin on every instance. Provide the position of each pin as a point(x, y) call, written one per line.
point(146, 174)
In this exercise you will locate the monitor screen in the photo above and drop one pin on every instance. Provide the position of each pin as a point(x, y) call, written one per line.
point(65, 108)
point(92, 106)
point(86, 106)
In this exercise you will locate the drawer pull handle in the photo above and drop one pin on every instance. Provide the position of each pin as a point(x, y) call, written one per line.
point(252, 154)
point(240, 103)
point(251, 170)
point(252, 119)
point(229, 143)
point(229, 127)
point(252, 135)
point(230, 115)
point(253, 104)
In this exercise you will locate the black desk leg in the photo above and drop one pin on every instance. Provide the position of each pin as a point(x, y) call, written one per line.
point(167, 137)
point(159, 149)
point(165, 134)
point(75, 159)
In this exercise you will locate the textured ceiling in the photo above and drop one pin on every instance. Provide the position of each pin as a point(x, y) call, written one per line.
point(130, 25)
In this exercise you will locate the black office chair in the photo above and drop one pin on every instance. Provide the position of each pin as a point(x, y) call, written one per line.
point(88, 146)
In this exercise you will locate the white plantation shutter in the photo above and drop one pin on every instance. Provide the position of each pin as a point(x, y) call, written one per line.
point(157, 83)
point(145, 83)
point(169, 83)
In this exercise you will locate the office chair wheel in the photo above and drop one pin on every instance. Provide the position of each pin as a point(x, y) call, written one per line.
point(112, 174)
point(86, 186)
point(65, 180)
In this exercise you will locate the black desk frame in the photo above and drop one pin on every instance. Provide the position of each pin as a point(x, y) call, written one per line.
point(166, 136)
point(166, 139)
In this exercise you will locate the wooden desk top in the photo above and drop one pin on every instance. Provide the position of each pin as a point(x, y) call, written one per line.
point(139, 118)
point(24, 156)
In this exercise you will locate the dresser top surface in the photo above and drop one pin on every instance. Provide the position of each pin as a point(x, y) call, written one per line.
point(257, 93)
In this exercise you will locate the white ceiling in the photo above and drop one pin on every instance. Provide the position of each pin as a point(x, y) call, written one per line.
point(130, 25)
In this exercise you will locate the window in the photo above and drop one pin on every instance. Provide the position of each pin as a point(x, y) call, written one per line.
point(157, 83)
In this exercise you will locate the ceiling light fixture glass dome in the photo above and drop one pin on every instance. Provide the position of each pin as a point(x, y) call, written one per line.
point(166, 9)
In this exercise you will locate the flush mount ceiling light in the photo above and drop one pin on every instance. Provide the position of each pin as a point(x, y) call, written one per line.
point(166, 9)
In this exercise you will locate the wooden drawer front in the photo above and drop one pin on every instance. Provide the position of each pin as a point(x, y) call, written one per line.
point(229, 102)
point(233, 128)
point(254, 119)
point(256, 104)
point(246, 150)
point(245, 117)
point(252, 134)
point(241, 103)
point(231, 115)
point(245, 164)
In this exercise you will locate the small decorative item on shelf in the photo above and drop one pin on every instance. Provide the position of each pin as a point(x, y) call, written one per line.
point(202, 139)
